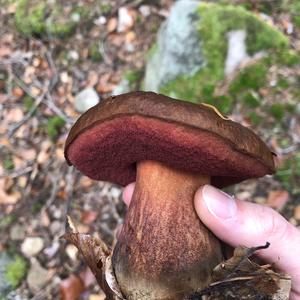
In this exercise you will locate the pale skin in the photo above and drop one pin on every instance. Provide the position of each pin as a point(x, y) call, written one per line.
point(239, 222)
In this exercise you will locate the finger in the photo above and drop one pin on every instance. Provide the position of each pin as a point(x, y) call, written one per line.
point(128, 192)
point(243, 223)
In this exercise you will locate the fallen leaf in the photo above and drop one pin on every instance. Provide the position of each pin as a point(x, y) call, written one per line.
point(277, 199)
point(297, 212)
point(88, 216)
point(97, 297)
point(4, 51)
point(85, 182)
point(112, 24)
point(71, 288)
point(96, 255)
point(105, 85)
point(7, 196)
point(241, 278)
point(17, 92)
point(14, 115)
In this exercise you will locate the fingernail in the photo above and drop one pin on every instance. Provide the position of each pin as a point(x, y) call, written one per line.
point(219, 204)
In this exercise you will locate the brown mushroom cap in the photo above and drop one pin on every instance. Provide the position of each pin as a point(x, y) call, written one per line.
point(109, 139)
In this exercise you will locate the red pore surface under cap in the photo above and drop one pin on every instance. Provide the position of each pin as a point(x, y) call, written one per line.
point(110, 150)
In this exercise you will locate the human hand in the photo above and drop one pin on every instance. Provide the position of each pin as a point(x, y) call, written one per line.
point(239, 222)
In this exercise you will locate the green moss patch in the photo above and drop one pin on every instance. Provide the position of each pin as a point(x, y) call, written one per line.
point(16, 271)
point(215, 22)
point(13, 269)
point(39, 18)
point(94, 52)
point(289, 173)
point(54, 126)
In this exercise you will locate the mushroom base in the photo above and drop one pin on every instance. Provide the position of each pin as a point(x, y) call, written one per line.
point(164, 251)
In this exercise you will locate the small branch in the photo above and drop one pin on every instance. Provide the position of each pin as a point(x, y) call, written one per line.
point(38, 101)
point(17, 173)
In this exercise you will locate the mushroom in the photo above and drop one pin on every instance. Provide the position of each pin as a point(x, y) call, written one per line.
point(170, 148)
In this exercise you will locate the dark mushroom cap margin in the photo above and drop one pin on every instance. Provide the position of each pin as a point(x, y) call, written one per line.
point(109, 139)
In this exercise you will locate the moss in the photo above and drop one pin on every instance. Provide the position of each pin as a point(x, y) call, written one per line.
point(8, 163)
point(53, 127)
point(252, 77)
point(37, 18)
point(16, 271)
point(288, 58)
point(105, 8)
point(152, 50)
point(36, 207)
point(255, 118)
point(30, 17)
point(294, 9)
point(28, 103)
point(216, 20)
point(277, 110)
point(7, 220)
point(289, 174)
point(94, 52)
point(133, 76)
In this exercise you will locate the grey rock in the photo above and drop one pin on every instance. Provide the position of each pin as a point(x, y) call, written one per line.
point(17, 232)
point(178, 49)
point(31, 246)
point(37, 276)
point(121, 88)
point(86, 99)
point(236, 53)
point(298, 109)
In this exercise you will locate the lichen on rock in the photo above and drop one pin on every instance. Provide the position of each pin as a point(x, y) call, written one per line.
point(214, 24)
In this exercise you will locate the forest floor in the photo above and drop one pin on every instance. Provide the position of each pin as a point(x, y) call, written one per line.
point(39, 78)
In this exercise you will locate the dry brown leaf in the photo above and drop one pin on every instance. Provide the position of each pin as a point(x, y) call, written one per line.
point(88, 216)
point(14, 115)
point(71, 288)
point(92, 78)
point(11, 9)
point(105, 85)
point(97, 297)
point(130, 37)
point(7, 196)
point(112, 25)
point(17, 92)
point(241, 278)
point(4, 51)
point(277, 199)
point(96, 254)
point(85, 182)
point(297, 212)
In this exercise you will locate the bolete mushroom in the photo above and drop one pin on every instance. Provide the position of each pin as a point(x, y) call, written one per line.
point(170, 148)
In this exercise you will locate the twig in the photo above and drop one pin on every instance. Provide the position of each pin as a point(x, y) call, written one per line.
point(50, 103)
point(17, 173)
point(54, 190)
point(54, 78)
point(30, 113)
point(69, 193)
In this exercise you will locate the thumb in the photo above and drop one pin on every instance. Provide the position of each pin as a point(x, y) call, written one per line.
point(239, 222)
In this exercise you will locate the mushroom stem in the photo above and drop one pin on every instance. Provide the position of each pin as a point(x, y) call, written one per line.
point(164, 251)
